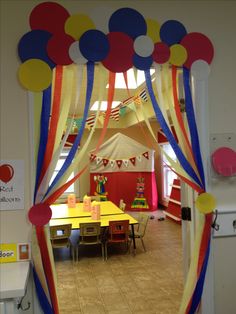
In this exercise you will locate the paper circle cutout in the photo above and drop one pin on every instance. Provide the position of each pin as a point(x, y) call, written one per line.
point(40, 214)
point(143, 46)
point(75, 54)
point(172, 32)
point(128, 21)
point(153, 30)
point(120, 56)
point(35, 75)
point(161, 53)
point(199, 47)
point(6, 173)
point(205, 203)
point(178, 55)
point(142, 63)
point(58, 48)
point(224, 161)
point(94, 45)
point(33, 45)
point(200, 70)
point(49, 16)
point(78, 24)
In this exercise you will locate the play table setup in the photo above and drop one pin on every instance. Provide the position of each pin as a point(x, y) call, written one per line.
point(79, 213)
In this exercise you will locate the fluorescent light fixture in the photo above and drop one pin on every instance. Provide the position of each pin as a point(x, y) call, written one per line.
point(104, 105)
point(133, 82)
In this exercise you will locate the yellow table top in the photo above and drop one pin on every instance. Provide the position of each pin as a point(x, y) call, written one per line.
point(62, 210)
point(104, 220)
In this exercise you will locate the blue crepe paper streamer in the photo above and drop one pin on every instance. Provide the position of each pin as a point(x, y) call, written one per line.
point(42, 298)
point(45, 117)
point(193, 126)
point(181, 158)
point(196, 298)
point(69, 159)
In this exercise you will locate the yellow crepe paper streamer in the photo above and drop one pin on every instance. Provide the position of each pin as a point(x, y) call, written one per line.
point(205, 203)
point(153, 30)
point(70, 74)
point(77, 24)
point(35, 75)
point(168, 92)
point(178, 55)
point(37, 260)
point(82, 151)
point(192, 273)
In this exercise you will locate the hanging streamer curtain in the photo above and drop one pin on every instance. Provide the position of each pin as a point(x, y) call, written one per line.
point(55, 101)
point(190, 169)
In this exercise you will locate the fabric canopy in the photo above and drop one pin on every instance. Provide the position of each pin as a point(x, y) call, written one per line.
point(120, 153)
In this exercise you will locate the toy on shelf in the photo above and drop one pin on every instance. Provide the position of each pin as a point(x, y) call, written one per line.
point(100, 188)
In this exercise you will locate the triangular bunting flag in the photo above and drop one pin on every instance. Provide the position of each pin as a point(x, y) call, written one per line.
point(132, 106)
point(92, 157)
point(112, 162)
point(146, 155)
point(119, 163)
point(105, 161)
point(139, 158)
point(98, 159)
point(143, 95)
point(126, 162)
point(122, 111)
point(133, 160)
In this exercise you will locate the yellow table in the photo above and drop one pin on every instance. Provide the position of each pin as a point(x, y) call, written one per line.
point(75, 221)
point(62, 210)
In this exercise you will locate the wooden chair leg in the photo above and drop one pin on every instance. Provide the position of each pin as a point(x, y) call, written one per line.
point(143, 244)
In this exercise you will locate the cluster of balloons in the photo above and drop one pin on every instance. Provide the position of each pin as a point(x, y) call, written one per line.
point(58, 38)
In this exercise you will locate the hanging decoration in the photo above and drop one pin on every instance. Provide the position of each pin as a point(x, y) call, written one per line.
point(124, 161)
point(57, 41)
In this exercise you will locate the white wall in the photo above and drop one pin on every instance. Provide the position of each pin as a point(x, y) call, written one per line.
point(216, 19)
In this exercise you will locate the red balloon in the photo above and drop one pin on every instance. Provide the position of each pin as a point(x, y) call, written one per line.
point(40, 214)
point(120, 56)
point(49, 16)
point(58, 49)
point(161, 53)
point(6, 173)
point(199, 47)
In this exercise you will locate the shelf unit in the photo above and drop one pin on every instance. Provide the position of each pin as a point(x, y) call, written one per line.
point(173, 210)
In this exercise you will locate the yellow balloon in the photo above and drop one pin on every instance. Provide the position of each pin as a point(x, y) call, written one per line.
point(35, 75)
point(205, 203)
point(178, 55)
point(153, 30)
point(77, 24)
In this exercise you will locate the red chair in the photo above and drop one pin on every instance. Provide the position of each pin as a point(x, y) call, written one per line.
point(118, 232)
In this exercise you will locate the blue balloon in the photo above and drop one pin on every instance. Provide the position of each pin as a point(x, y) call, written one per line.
point(33, 45)
point(172, 32)
point(128, 21)
point(142, 63)
point(94, 45)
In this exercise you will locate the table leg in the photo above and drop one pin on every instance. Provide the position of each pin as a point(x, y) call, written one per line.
point(133, 237)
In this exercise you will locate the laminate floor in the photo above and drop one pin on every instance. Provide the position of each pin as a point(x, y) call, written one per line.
point(149, 283)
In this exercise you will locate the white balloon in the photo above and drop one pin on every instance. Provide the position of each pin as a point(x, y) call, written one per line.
point(75, 54)
point(143, 46)
point(200, 70)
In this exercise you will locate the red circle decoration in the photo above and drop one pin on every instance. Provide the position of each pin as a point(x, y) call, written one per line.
point(120, 56)
point(161, 53)
point(6, 173)
point(224, 161)
point(49, 16)
point(199, 47)
point(40, 214)
point(58, 49)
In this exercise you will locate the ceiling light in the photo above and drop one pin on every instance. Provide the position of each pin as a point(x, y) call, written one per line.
point(104, 105)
